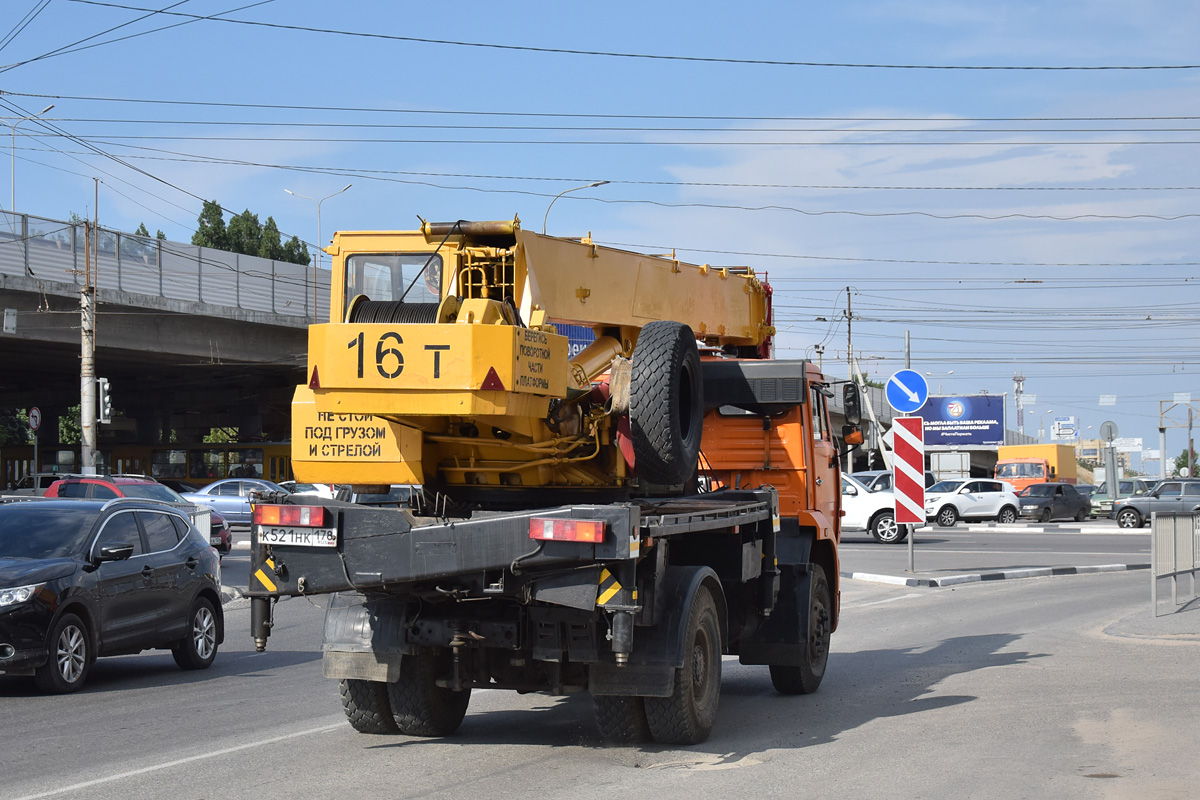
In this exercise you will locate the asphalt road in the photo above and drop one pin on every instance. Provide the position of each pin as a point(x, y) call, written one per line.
point(1058, 687)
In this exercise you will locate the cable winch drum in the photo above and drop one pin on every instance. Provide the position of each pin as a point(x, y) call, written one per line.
point(393, 313)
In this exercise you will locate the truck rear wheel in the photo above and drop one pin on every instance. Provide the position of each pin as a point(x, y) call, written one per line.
point(622, 719)
point(666, 403)
point(366, 706)
point(419, 705)
point(688, 714)
point(805, 679)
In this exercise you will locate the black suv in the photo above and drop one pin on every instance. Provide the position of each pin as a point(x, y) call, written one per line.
point(87, 578)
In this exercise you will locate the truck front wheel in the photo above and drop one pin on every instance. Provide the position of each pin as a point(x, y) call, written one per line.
point(419, 705)
point(688, 714)
point(622, 719)
point(366, 705)
point(805, 679)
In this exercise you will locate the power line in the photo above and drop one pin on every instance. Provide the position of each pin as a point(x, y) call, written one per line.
point(768, 207)
point(562, 115)
point(599, 128)
point(366, 173)
point(648, 142)
point(653, 56)
point(75, 48)
point(23, 23)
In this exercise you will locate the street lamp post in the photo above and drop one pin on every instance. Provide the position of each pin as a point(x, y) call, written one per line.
point(939, 376)
point(560, 194)
point(13, 153)
point(1042, 423)
point(320, 245)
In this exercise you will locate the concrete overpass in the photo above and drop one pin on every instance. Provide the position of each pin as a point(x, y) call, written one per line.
point(190, 338)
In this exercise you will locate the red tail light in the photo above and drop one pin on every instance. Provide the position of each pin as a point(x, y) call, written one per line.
point(293, 516)
point(567, 530)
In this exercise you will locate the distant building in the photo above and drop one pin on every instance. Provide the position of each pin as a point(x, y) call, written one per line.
point(1091, 452)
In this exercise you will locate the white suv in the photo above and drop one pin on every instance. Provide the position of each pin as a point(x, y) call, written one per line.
point(864, 510)
point(949, 501)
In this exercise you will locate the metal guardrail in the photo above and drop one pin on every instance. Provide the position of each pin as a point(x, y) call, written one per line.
point(1174, 551)
point(53, 250)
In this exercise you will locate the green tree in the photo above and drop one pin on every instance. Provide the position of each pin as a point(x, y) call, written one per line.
point(70, 426)
point(269, 245)
point(1181, 461)
point(160, 235)
point(141, 231)
point(221, 436)
point(211, 231)
point(295, 252)
point(246, 235)
point(14, 426)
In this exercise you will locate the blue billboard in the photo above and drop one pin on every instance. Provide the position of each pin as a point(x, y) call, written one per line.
point(971, 420)
point(578, 337)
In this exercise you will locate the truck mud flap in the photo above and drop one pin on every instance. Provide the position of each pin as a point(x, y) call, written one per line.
point(364, 638)
point(658, 650)
point(782, 639)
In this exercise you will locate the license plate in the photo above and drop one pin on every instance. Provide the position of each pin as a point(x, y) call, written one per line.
point(214, 540)
point(298, 537)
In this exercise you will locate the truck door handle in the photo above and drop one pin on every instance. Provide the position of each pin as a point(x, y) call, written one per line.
point(147, 571)
point(819, 481)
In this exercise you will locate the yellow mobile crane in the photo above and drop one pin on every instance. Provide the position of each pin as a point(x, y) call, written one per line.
point(441, 363)
point(590, 546)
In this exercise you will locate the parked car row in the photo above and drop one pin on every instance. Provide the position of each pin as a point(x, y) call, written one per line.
point(106, 488)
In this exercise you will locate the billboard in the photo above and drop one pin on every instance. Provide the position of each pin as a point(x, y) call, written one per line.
point(964, 420)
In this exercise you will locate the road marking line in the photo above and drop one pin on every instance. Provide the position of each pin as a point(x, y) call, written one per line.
point(881, 602)
point(167, 765)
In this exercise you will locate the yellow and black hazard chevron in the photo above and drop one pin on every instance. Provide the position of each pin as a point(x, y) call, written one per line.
point(609, 586)
point(267, 580)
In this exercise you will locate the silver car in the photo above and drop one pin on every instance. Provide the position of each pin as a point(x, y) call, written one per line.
point(231, 497)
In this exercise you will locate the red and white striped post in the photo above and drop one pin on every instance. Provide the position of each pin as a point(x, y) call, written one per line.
point(908, 468)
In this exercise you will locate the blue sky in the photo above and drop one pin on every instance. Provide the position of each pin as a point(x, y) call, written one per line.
point(1012, 220)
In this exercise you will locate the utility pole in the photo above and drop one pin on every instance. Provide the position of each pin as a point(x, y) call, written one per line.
point(849, 339)
point(1019, 383)
point(87, 362)
point(850, 368)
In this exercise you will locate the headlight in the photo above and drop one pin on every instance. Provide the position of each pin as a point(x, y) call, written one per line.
point(18, 594)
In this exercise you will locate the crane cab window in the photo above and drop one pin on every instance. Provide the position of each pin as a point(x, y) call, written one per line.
point(386, 277)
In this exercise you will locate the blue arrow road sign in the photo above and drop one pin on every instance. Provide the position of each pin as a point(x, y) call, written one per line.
point(907, 391)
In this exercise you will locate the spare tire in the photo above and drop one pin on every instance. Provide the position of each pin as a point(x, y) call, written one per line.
point(666, 403)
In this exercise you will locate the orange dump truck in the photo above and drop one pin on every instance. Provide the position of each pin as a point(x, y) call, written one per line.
point(614, 522)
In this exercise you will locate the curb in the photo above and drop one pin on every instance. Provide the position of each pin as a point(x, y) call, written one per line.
point(229, 595)
point(1033, 528)
point(999, 575)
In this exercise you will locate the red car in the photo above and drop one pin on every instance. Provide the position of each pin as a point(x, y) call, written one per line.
point(108, 487)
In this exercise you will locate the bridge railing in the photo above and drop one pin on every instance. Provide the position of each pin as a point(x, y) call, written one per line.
point(53, 250)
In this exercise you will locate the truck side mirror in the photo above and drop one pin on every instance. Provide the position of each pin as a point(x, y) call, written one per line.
point(851, 404)
point(1052, 472)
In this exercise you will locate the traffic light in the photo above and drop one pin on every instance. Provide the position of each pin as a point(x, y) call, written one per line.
point(103, 400)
